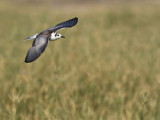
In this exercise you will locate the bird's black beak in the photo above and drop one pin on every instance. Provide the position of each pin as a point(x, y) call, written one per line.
point(63, 37)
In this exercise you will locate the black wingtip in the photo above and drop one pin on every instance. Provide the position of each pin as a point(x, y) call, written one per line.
point(76, 18)
point(26, 61)
point(75, 21)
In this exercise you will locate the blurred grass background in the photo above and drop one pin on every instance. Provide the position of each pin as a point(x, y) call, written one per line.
point(107, 68)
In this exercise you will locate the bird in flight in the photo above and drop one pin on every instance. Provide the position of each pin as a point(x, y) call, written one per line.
point(41, 39)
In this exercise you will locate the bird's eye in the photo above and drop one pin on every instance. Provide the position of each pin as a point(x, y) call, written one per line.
point(58, 35)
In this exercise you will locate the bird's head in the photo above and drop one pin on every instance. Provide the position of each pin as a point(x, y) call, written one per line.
point(55, 36)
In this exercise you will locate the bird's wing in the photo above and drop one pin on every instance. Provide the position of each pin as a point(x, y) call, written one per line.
point(66, 24)
point(38, 47)
point(31, 37)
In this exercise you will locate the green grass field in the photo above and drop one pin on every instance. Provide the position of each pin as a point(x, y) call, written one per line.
point(107, 68)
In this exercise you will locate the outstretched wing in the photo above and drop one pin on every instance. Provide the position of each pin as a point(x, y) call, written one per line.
point(66, 24)
point(38, 47)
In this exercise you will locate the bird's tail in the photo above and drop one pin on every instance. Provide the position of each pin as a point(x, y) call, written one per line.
point(31, 37)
